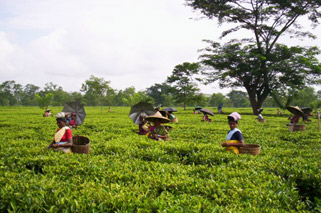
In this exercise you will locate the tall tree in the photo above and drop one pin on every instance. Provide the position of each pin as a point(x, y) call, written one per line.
point(161, 93)
point(238, 98)
point(95, 90)
point(44, 100)
point(29, 98)
point(59, 95)
point(218, 98)
point(258, 63)
point(10, 93)
point(184, 86)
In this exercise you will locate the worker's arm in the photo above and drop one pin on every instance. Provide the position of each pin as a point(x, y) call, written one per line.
point(239, 144)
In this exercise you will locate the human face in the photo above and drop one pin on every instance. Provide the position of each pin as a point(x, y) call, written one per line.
point(60, 124)
point(232, 124)
point(156, 122)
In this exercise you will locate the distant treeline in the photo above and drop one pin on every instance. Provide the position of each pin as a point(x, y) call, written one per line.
point(97, 92)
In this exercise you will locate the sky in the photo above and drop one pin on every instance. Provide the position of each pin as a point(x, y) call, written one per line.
point(129, 43)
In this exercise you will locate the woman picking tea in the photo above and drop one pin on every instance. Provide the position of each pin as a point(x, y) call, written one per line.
point(63, 137)
point(234, 138)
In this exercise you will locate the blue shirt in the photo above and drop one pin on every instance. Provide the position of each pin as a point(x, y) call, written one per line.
point(236, 136)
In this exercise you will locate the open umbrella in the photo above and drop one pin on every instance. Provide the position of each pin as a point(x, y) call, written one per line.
point(77, 108)
point(207, 111)
point(306, 110)
point(169, 109)
point(137, 109)
point(198, 107)
point(295, 110)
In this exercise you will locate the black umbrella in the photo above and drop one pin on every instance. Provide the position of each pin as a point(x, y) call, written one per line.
point(169, 109)
point(198, 107)
point(137, 109)
point(306, 110)
point(77, 108)
point(207, 111)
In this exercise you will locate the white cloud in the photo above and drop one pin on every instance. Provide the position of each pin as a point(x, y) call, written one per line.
point(130, 43)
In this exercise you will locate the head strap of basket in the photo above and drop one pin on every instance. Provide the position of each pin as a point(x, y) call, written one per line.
point(234, 116)
point(159, 116)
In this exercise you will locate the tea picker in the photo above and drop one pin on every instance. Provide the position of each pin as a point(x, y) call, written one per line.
point(234, 139)
point(63, 137)
point(197, 109)
point(307, 112)
point(260, 117)
point(169, 114)
point(206, 112)
point(47, 113)
point(138, 113)
point(293, 125)
point(220, 108)
point(78, 110)
point(158, 131)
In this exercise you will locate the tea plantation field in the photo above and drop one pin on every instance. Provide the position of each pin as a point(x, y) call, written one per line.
point(126, 172)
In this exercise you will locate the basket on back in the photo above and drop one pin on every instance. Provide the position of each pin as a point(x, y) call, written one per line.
point(80, 144)
point(253, 149)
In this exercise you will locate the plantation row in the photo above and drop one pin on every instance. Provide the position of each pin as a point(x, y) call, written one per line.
point(128, 172)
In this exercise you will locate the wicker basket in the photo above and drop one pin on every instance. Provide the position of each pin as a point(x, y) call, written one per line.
point(80, 144)
point(253, 149)
point(262, 120)
point(297, 127)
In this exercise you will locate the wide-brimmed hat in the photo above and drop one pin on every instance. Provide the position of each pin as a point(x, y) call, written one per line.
point(159, 116)
point(234, 116)
point(48, 109)
point(295, 110)
point(260, 110)
point(60, 115)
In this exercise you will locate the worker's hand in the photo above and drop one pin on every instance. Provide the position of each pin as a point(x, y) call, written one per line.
point(54, 145)
point(224, 144)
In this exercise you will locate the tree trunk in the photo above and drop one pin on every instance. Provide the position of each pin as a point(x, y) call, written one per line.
point(184, 106)
point(256, 103)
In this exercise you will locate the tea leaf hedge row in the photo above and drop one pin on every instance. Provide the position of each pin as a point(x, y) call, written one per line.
point(128, 172)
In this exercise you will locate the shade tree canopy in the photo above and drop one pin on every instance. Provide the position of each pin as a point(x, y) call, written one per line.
point(183, 83)
point(258, 62)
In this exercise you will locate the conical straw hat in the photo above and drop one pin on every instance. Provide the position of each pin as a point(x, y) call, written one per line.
point(295, 110)
point(159, 116)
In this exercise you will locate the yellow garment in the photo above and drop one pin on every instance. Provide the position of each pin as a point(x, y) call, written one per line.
point(59, 134)
point(146, 126)
point(232, 148)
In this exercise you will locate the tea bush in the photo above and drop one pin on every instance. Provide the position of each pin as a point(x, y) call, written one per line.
point(127, 172)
